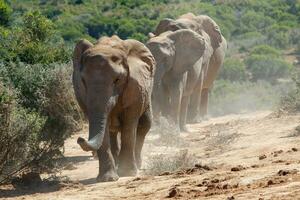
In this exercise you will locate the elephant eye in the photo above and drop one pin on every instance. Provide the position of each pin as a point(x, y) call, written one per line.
point(115, 58)
point(116, 81)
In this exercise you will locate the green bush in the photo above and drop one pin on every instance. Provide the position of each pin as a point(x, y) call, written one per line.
point(46, 111)
point(278, 36)
point(34, 42)
point(5, 13)
point(265, 67)
point(265, 50)
point(291, 101)
point(20, 142)
point(233, 70)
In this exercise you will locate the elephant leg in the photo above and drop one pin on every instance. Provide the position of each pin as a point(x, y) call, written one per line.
point(183, 113)
point(204, 102)
point(144, 126)
point(165, 104)
point(115, 146)
point(193, 108)
point(107, 168)
point(127, 164)
point(176, 91)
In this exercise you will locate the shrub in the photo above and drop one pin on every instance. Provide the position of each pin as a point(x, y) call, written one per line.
point(291, 101)
point(34, 42)
point(265, 67)
point(265, 50)
point(44, 110)
point(278, 36)
point(5, 12)
point(233, 70)
point(20, 142)
point(159, 164)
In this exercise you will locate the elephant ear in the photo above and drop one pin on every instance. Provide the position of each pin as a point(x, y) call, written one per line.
point(139, 50)
point(80, 48)
point(189, 47)
point(141, 68)
point(166, 24)
point(212, 29)
point(79, 89)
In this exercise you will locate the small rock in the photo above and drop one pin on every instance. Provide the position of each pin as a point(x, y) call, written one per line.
point(294, 149)
point(203, 167)
point(215, 180)
point(261, 157)
point(237, 168)
point(164, 174)
point(173, 192)
point(230, 198)
point(270, 182)
point(284, 172)
point(226, 186)
point(278, 152)
point(137, 179)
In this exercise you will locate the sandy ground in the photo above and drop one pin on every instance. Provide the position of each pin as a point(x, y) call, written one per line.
point(248, 156)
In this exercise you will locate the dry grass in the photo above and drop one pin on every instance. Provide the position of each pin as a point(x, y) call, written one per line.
point(158, 164)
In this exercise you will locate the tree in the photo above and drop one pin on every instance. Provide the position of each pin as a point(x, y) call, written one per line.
point(5, 12)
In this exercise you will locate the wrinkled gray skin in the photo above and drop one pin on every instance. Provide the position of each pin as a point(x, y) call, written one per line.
point(113, 83)
point(200, 105)
point(212, 59)
point(177, 54)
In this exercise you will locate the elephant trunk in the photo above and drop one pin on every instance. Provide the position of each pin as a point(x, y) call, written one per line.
point(98, 112)
point(97, 130)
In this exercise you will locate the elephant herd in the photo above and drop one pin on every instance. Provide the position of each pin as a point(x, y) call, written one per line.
point(120, 84)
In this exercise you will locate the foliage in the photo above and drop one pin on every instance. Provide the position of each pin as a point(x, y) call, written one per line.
point(265, 50)
point(264, 67)
point(291, 101)
point(33, 42)
point(39, 116)
point(20, 129)
point(5, 12)
point(233, 70)
point(36, 99)
point(161, 163)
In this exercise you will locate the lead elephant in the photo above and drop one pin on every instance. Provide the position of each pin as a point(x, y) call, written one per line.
point(213, 58)
point(113, 81)
point(177, 55)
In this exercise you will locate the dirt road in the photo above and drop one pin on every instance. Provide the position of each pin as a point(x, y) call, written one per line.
point(248, 156)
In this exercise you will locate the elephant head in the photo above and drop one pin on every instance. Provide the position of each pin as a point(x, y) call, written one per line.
point(195, 23)
point(102, 74)
point(177, 51)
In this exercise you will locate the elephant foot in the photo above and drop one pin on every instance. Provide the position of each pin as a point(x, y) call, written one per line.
point(109, 176)
point(126, 171)
point(185, 129)
point(195, 121)
point(205, 118)
point(139, 162)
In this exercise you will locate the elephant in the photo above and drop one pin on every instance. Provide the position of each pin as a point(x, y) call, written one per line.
point(213, 58)
point(178, 57)
point(113, 82)
point(200, 105)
